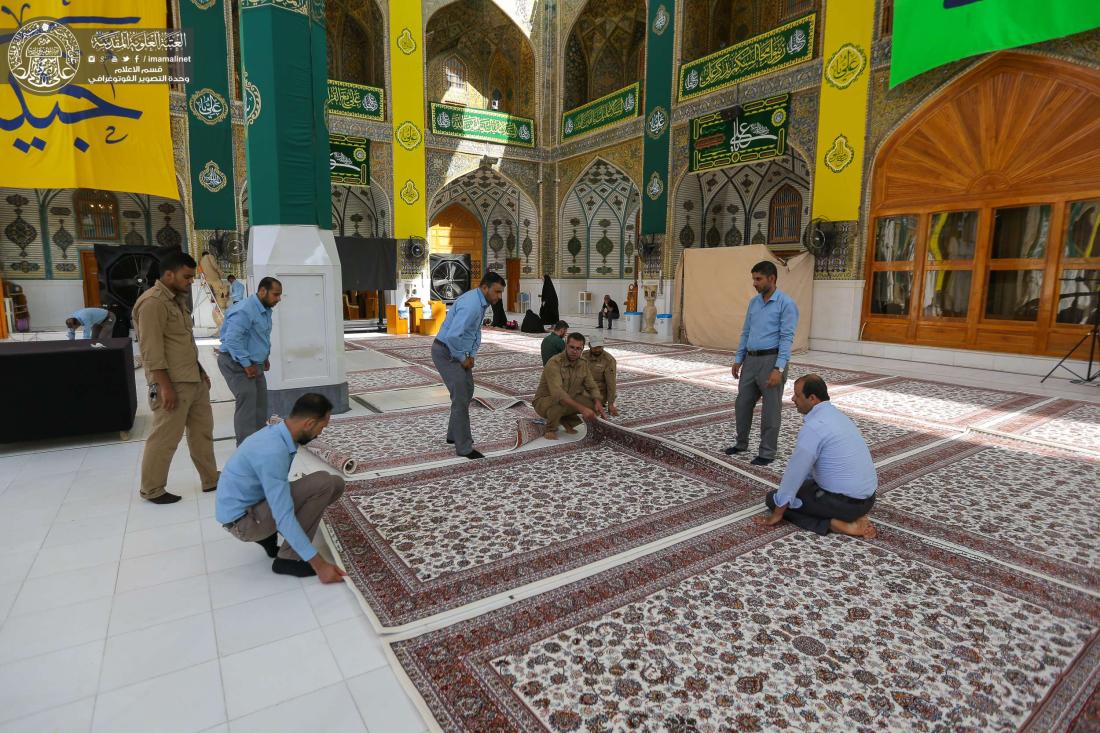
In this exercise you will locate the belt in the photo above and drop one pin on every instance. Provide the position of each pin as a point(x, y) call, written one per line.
point(763, 352)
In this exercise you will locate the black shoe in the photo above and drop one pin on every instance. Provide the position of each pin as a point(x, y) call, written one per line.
point(297, 568)
point(212, 488)
point(450, 442)
point(165, 498)
point(475, 453)
point(758, 461)
point(734, 450)
point(270, 545)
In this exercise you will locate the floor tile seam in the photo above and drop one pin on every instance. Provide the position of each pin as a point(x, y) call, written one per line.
point(112, 593)
point(169, 549)
point(313, 615)
point(343, 681)
point(103, 638)
point(13, 721)
point(99, 687)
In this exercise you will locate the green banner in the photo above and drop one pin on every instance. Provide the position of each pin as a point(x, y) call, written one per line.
point(209, 116)
point(930, 34)
point(660, 36)
point(599, 113)
point(349, 159)
point(749, 133)
point(481, 124)
point(285, 61)
point(356, 100)
point(779, 48)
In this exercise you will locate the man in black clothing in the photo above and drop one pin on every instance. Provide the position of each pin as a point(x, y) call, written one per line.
point(610, 311)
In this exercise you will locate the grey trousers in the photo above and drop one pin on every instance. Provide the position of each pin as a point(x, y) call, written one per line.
point(460, 384)
point(751, 387)
point(312, 494)
point(250, 394)
point(105, 328)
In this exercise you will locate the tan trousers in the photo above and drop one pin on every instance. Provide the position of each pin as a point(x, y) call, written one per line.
point(192, 413)
point(558, 414)
point(312, 494)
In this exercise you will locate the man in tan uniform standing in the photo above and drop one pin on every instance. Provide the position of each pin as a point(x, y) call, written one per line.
point(604, 370)
point(179, 389)
point(212, 271)
point(567, 390)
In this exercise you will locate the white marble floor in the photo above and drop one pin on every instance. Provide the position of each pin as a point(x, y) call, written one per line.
point(119, 615)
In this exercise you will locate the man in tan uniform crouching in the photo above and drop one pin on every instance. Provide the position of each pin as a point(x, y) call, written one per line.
point(179, 389)
point(604, 370)
point(567, 390)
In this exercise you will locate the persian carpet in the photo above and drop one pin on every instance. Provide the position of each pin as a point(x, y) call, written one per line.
point(1035, 506)
point(690, 362)
point(422, 352)
point(524, 382)
point(654, 401)
point(886, 436)
point(744, 629)
point(352, 346)
point(1069, 423)
point(422, 543)
point(626, 349)
point(406, 437)
point(380, 380)
point(395, 342)
point(935, 402)
point(833, 377)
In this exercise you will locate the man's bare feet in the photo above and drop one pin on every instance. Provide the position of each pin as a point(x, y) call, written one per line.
point(550, 435)
point(571, 431)
point(862, 527)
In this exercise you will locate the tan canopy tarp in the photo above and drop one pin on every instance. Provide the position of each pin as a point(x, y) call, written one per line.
point(713, 288)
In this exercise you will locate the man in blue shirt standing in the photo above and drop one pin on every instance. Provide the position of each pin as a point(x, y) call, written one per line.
point(97, 322)
point(255, 498)
point(242, 359)
point(453, 353)
point(236, 290)
point(760, 365)
point(830, 482)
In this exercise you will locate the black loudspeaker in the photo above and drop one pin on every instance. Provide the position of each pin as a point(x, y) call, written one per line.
point(450, 276)
point(125, 272)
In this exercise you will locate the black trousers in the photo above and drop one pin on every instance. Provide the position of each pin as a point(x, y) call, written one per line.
point(610, 317)
point(820, 506)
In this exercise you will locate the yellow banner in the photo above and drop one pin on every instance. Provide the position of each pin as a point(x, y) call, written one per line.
point(410, 210)
point(842, 122)
point(61, 124)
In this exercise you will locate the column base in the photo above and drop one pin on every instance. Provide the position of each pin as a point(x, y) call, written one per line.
point(280, 401)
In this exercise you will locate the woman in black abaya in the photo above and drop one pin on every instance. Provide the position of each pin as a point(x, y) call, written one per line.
point(548, 313)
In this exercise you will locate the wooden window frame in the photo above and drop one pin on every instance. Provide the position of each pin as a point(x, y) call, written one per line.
point(86, 197)
point(773, 220)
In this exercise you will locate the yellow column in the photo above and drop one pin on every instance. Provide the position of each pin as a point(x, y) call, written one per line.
point(842, 121)
point(407, 84)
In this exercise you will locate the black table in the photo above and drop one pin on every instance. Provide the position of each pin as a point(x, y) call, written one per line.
point(54, 389)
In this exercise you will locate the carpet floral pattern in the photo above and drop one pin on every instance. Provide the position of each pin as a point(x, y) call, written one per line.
point(654, 401)
point(1068, 423)
point(936, 402)
point(406, 437)
point(524, 382)
point(380, 380)
point(833, 377)
point(744, 629)
point(395, 342)
point(1019, 502)
point(678, 364)
point(712, 434)
point(426, 542)
point(422, 353)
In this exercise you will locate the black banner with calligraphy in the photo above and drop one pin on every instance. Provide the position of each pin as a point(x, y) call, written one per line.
point(748, 133)
point(209, 116)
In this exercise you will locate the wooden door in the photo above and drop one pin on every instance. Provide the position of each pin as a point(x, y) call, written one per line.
point(90, 270)
point(455, 230)
point(512, 275)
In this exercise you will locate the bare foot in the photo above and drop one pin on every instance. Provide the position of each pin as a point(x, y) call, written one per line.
point(550, 435)
point(571, 431)
point(862, 527)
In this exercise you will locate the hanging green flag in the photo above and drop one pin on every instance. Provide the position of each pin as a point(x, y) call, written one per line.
point(930, 33)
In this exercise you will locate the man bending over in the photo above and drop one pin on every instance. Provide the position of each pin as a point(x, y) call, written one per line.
point(256, 499)
point(830, 482)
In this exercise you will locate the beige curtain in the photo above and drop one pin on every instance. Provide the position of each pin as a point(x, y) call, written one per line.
point(713, 287)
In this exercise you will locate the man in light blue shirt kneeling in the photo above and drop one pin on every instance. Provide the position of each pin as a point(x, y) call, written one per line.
point(830, 482)
point(256, 499)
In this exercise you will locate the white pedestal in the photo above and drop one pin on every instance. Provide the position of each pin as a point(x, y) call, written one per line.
point(664, 326)
point(307, 335)
point(633, 321)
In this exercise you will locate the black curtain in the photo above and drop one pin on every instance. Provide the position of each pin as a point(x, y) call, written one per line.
point(367, 264)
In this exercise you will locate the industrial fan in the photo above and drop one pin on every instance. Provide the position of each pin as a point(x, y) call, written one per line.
point(125, 272)
point(819, 239)
point(450, 276)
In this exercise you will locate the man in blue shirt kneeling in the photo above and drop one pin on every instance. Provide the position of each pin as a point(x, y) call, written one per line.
point(830, 482)
point(256, 499)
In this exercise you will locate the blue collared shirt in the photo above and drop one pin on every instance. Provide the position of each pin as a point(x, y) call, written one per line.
point(236, 291)
point(461, 329)
point(88, 317)
point(831, 450)
point(246, 332)
point(259, 471)
point(769, 325)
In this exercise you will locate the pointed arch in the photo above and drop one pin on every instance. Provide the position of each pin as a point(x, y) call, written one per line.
point(598, 222)
point(603, 45)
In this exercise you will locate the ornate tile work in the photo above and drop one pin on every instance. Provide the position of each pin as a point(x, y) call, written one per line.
point(422, 543)
point(1018, 502)
point(598, 235)
point(743, 629)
